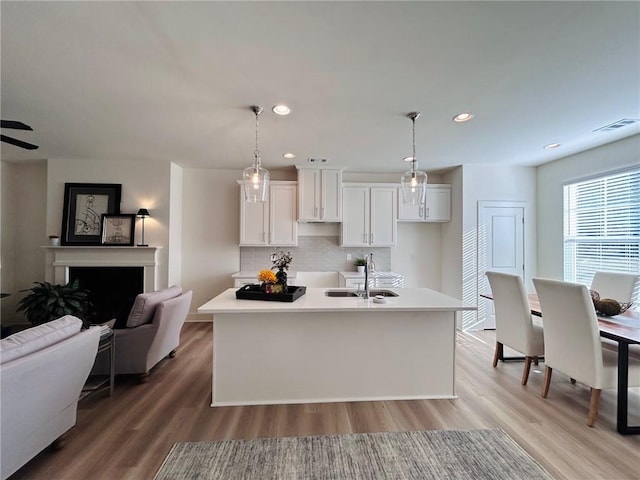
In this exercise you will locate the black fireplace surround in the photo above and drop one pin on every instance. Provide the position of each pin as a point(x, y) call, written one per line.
point(112, 291)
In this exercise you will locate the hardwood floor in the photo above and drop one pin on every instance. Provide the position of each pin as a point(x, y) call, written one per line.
point(128, 435)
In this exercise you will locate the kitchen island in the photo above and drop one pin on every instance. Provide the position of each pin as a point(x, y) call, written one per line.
point(328, 349)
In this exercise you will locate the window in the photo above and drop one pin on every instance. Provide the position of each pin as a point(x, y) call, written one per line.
point(602, 226)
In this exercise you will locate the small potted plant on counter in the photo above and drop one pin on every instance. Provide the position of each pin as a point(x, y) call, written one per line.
point(360, 263)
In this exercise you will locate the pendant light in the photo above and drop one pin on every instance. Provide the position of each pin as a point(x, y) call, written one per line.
point(256, 178)
point(414, 182)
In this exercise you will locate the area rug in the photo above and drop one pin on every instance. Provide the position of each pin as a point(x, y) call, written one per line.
point(440, 454)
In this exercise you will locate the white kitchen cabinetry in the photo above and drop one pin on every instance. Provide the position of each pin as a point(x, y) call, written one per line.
point(368, 216)
point(437, 207)
point(272, 223)
point(319, 194)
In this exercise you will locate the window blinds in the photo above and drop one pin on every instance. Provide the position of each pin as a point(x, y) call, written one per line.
point(602, 226)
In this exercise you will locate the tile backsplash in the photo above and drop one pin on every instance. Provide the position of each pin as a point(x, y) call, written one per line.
point(315, 254)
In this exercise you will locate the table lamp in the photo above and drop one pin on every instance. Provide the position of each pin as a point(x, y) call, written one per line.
point(143, 213)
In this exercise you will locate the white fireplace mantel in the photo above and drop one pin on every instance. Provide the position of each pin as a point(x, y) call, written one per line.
point(59, 259)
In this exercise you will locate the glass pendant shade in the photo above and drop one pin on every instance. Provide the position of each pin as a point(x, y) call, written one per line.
point(414, 182)
point(256, 183)
point(414, 187)
point(256, 178)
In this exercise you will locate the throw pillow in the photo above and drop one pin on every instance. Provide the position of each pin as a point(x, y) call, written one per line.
point(37, 338)
point(146, 303)
point(123, 314)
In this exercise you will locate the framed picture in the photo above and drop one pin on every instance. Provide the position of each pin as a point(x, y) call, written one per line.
point(118, 229)
point(84, 205)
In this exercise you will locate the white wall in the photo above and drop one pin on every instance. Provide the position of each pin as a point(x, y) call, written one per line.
point(451, 238)
point(23, 232)
point(484, 183)
point(144, 184)
point(211, 222)
point(551, 178)
point(175, 226)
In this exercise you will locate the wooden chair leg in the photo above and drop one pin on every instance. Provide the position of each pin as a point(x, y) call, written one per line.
point(594, 405)
point(527, 368)
point(547, 381)
point(536, 360)
point(497, 354)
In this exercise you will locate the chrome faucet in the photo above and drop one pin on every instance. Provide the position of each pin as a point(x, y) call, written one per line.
point(366, 276)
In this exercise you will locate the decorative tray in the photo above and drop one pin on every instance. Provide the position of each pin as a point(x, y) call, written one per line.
point(253, 292)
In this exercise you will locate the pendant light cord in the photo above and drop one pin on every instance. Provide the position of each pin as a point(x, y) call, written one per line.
point(413, 163)
point(256, 153)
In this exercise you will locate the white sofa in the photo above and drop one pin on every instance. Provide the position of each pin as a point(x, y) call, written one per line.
point(42, 371)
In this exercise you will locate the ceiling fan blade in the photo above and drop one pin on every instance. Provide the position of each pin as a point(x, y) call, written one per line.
point(14, 124)
point(18, 143)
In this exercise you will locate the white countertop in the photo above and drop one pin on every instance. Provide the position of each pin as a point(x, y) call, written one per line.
point(314, 300)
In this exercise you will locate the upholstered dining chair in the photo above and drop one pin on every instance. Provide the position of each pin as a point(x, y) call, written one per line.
point(515, 326)
point(619, 286)
point(572, 341)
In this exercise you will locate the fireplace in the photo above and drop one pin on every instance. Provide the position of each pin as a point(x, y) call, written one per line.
point(115, 272)
point(112, 290)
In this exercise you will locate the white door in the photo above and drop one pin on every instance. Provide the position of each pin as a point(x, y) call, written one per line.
point(355, 217)
point(500, 245)
point(254, 224)
point(383, 217)
point(283, 226)
point(331, 202)
point(308, 193)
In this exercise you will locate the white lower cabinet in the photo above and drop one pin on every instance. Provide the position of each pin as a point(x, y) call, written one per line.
point(368, 216)
point(437, 206)
point(272, 223)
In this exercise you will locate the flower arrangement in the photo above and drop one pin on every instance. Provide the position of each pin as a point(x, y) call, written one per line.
point(267, 276)
point(281, 260)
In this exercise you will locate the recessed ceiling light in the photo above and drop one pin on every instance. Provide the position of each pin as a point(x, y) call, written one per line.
point(289, 155)
point(408, 159)
point(463, 117)
point(551, 145)
point(281, 110)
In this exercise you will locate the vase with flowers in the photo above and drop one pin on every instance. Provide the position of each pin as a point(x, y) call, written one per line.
point(267, 280)
point(281, 260)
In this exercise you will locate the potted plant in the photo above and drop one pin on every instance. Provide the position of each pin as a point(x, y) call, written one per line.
point(46, 302)
point(360, 263)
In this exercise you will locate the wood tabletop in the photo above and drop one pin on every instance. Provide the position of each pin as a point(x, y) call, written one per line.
point(624, 327)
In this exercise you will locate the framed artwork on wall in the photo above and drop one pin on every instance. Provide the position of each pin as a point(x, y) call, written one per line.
point(84, 205)
point(118, 229)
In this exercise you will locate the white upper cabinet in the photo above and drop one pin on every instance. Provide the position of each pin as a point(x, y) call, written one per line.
point(319, 194)
point(437, 207)
point(272, 223)
point(368, 216)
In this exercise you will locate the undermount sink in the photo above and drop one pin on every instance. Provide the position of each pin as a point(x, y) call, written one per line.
point(340, 293)
point(353, 293)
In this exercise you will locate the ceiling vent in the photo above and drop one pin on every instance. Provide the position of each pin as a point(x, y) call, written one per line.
point(616, 125)
point(317, 160)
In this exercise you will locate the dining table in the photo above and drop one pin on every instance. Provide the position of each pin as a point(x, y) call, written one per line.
point(623, 329)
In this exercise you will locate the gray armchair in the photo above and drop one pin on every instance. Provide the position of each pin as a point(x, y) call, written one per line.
point(139, 347)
